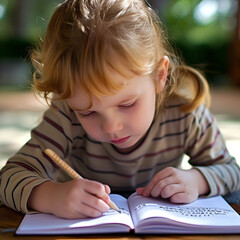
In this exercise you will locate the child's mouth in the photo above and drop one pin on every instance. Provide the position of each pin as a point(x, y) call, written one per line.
point(119, 140)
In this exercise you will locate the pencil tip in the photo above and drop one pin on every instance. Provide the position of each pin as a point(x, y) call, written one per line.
point(114, 206)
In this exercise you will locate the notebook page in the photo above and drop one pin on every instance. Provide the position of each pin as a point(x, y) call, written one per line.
point(213, 211)
point(50, 224)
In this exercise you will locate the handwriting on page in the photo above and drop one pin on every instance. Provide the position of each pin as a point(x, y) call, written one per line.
point(112, 212)
point(186, 211)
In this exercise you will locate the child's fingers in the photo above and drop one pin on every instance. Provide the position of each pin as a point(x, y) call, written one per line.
point(81, 211)
point(161, 177)
point(139, 191)
point(95, 203)
point(154, 188)
point(171, 190)
point(157, 189)
point(183, 197)
point(97, 195)
point(73, 200)
point(107, 189)
point(88, 211)
point(97, 189)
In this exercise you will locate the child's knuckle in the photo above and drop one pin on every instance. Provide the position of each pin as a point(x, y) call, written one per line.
point(96, 203)
point(170, 170)
point(94, 213)
point(99, 187)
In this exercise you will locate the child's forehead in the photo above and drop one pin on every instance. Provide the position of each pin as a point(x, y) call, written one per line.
point(104, 80)
point(117, 67)
point(129, 91)
point(81, 99)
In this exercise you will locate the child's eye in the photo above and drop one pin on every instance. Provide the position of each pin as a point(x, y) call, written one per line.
point(85, 114)
point(127, 105)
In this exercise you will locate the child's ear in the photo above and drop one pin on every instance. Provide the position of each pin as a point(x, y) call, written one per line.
point(162, 73)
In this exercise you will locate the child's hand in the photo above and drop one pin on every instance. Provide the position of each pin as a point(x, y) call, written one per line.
point(181, 186)
point(74, 199)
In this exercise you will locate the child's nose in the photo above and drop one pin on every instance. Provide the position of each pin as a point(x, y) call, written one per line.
point(112, 125)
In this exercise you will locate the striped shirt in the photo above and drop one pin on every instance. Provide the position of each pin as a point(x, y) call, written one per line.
point(172, 134)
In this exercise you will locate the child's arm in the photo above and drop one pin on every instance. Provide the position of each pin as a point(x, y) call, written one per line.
point(215, 171)
point(30, 167)
point(74, 199)
point(208, 153)
point(181, 186)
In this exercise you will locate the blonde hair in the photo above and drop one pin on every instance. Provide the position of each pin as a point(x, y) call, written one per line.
point(83, 39)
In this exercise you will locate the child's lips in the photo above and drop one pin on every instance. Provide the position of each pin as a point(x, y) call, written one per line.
point(119, 140)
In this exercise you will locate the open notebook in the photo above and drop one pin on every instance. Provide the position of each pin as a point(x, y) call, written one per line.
point(143, 215)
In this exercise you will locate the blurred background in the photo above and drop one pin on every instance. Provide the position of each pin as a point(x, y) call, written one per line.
point(206, 33)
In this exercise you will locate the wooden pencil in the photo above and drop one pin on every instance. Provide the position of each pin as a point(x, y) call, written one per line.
point(71, 172)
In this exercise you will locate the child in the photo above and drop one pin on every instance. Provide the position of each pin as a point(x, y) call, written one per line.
point(123, 112)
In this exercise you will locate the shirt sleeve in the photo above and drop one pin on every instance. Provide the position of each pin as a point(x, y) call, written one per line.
point(208, 153)
point(30, 166)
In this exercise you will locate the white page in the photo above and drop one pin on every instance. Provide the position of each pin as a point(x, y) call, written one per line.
point(47, 223)
point(213, 211)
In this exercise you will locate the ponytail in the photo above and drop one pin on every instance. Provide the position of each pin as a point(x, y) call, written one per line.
point(193, 86)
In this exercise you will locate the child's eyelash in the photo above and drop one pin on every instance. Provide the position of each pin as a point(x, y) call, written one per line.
point(127, 105)
point(85, 114)
point(88, 114)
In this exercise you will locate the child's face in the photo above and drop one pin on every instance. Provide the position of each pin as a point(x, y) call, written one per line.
point(121, 119)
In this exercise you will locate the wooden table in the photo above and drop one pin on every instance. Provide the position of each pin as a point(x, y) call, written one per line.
point(10, 219)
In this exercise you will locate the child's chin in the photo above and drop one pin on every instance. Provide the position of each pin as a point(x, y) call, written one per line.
point(127, 147)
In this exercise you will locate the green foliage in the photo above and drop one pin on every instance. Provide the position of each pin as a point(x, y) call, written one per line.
point(193, 22)
point(202, 31)
point(22, 24)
